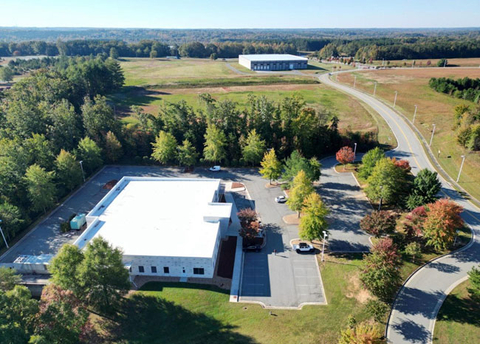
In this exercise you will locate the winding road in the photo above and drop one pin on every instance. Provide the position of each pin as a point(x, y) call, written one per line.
point(414, 312)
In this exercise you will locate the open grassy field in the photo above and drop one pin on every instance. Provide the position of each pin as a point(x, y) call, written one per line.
point(190, 72)
point(468, 62)
point(353, 114)
point(182, 313)
point(433, 108)
point(458, 321)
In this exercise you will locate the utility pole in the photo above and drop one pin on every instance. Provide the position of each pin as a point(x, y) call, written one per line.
point(433, 132)
point(374, 89)
point(461, 167)
point(414, 114)
point(3, 236)
point(395, 99)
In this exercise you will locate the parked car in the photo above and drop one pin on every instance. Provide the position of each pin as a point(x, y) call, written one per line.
point(255, 248)
point(303, 247)
point(280, 199)
point(214, 169)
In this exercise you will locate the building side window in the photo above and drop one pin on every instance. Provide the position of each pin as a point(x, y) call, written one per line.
point(198, 271)
point(166, 270)
point(141, 269)
point(154, 269)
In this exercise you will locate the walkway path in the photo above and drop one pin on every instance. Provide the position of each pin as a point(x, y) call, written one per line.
point(414, 313)
point(348, 205)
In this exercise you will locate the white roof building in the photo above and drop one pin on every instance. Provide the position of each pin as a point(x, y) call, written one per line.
point(272, 62)
point(164, 226)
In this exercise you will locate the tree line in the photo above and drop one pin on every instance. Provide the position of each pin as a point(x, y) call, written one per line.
point(466, 88)
point(49, 122)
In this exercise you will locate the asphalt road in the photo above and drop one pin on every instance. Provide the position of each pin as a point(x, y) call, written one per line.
point(415, 310)
point(348, 205)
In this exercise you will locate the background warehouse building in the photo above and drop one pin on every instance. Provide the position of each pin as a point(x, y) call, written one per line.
point(273, 62)
point(164, 226)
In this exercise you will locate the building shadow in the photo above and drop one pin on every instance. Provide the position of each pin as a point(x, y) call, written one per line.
point(152, 319)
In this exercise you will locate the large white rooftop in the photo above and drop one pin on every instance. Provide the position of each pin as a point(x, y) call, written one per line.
point(171, 217)
point(273, 57)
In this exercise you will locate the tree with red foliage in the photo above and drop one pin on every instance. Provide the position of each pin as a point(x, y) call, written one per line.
point(403, 164)
point(442, 221)
point(249, 223)
point(378, 223)
point(413, 224)
point(345, 155)
point(387, 251)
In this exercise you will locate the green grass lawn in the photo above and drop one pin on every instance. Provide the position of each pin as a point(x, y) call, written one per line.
point(186, 313)
point(458, 321)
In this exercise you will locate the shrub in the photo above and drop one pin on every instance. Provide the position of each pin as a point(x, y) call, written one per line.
point(378, 223)
point(474, 290)
point(377, 309)
point(414, 250)
point(413, 224)
point(363, 333)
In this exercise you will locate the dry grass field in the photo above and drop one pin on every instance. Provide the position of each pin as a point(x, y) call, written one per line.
point(470, 62)
point(433, 108)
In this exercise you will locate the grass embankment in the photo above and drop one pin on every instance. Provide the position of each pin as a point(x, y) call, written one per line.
point(468, 62)
point(185, 313)
point(458, 321)
point(433, 108)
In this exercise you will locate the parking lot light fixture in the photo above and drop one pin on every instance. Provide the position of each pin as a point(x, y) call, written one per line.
point(83, 173)
point(323, 245)
point(461, 167)
point(395, 99)
point(3, 236)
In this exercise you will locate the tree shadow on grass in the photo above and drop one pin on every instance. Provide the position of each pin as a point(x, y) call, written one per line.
point(158, 286)
point(460, 310)
point(150, 319)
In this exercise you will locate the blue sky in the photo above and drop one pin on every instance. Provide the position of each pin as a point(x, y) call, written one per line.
point(240, 14)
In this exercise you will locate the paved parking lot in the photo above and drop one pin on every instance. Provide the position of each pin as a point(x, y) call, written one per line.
point(286, 279)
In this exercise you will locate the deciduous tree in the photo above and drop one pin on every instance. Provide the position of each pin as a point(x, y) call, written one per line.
point(41, 188)
point(314, 221)
point(164, 147)
point(12, 220)
point(113, 148)
point(378, 223)
point(387, 183)
point(345, 155)
point(474, 278)
point(90, 154)
point(442, 221)
point(369, 161)
point(253, 148)
point(215, 142)
point(65, 269)
point(67, 170)
point(296, 163)
point(271, 166)
point(301, 188)
point(98, 117)
point(9, 278)
point(249, 223)
point(187, 154)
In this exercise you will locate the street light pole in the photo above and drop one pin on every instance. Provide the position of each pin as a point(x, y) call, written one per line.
point(354, 81)
point(433, 133)
point(414, 114)
point(83, 173)
point(3, 236)
point(461, 167)
point(374, 89)
point(381, 198)
point(355, 150)
point(323, 246)
point(395, 100)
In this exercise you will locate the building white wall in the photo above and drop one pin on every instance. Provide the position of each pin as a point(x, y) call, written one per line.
point(244, 62)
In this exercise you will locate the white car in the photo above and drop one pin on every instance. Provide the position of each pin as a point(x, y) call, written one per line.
point(303, 247)
point(214, 169)
point(280, 199)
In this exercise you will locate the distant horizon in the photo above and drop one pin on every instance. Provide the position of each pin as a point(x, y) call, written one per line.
point(243, 28)
point(193, 14)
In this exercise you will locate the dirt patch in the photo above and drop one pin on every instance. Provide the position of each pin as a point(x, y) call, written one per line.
point(110, 185)
point(272, 185)
point(356, 290)
point(291, 219)
point(213, 90)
